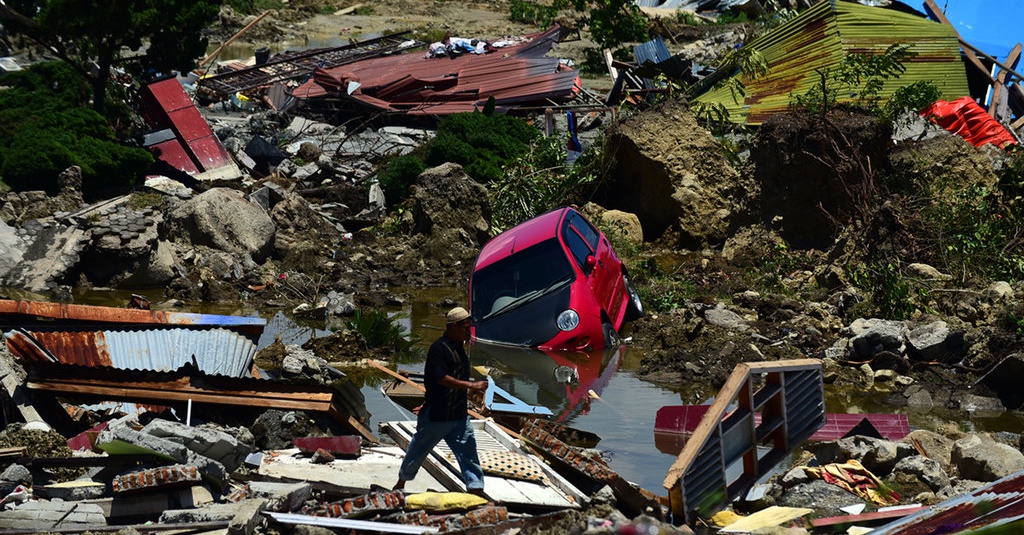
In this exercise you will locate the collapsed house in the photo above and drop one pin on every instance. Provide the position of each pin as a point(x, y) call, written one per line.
point(818, 39)
point(382, 76)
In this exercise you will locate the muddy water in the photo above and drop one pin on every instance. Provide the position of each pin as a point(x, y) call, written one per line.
point(598, 393)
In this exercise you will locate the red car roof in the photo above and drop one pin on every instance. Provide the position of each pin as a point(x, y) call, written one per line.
point(526, 234)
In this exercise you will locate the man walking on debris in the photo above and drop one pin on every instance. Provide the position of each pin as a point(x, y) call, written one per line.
point(444, 414)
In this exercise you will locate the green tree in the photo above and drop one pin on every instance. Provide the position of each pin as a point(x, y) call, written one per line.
point(95, 35)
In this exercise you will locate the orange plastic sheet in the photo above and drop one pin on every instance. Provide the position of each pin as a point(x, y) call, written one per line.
point(853, 477)
point(967, 119)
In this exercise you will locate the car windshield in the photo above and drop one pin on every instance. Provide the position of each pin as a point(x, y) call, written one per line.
point(519, 279)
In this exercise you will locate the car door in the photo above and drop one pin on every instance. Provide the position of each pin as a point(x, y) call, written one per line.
point(603, 275)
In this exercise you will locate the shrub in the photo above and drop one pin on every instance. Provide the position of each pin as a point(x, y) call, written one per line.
point(44, 129)
point(381, 330)
point(481, 143)
point(397, 175)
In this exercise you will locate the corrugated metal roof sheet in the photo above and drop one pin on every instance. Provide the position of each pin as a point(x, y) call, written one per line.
point(215, 351)
point(998, 504)
point(819, 37)
point(30, 314)
point(412, 84)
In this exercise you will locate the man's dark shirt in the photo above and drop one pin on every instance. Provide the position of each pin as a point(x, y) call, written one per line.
point(445, 357)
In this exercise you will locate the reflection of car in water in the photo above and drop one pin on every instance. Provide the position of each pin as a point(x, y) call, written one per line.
point(552, 282)
point(558, 380)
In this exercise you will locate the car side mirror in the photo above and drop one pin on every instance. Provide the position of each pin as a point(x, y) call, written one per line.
point(590, 262)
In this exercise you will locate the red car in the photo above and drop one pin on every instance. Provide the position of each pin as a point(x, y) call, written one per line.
point(552, 282)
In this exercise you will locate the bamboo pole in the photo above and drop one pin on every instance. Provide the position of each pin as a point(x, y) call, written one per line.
point(248, 27)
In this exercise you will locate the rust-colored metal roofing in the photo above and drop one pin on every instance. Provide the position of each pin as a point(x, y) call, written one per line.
point(821, 36)
point(27, 314)
point(214, 351)
point(410, 83)
point(995, 508)
point(293, 65)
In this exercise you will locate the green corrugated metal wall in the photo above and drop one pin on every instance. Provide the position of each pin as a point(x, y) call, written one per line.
point(820, 36)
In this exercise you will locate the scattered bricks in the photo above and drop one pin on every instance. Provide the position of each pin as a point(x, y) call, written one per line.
point(365, 505)
point(472, 519)
point(237, 494)
point(322, 456)
point(411, 518)
point(164, 476)
point(574, 457)
point(484, 516)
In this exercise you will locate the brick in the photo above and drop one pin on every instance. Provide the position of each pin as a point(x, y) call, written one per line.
point(163, 476)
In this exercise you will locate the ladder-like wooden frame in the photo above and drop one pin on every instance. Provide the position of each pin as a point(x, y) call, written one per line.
point(791, 400)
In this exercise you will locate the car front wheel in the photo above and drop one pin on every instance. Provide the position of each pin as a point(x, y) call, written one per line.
point(634, 308)
point(611, 336)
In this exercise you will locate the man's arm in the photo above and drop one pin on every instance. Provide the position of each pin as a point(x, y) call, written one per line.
point(450, 382)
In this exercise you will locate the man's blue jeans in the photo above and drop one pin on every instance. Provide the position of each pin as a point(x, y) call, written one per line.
point(458, 434)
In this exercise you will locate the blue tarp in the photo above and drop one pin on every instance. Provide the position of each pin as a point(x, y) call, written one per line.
point(992, 26)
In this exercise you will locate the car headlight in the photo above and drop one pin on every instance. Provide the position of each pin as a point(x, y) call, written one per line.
point(568, 320)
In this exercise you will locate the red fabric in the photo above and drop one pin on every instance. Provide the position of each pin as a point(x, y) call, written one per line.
point(967, 119)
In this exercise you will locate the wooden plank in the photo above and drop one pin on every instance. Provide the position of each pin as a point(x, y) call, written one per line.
point(1000, 84)
point(184, 393)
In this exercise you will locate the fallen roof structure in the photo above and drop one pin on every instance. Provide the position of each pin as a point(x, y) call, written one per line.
point(189, 385)
point(299, 65)
point(989, 50)
point(820, 37)
point(515, 75)
point(181, 137)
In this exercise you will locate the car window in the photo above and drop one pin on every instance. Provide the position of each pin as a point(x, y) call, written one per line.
point(581, 238)
point(579, 248)
point(522, 276)
point(585, 229)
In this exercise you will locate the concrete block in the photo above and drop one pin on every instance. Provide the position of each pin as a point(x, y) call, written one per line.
point(216, 445)
point(70, 491)
point(122, 433)
point(244, 517)
point(52, 516)
point(153, 503)
point(282, 497)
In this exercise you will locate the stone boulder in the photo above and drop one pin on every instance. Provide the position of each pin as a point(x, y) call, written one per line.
point(452, 211)
point(223, 219)
point(619, 226)
point(673, 175)
point(12, 248)
point(980, 458)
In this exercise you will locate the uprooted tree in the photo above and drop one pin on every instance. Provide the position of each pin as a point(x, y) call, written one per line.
point(95, 35)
